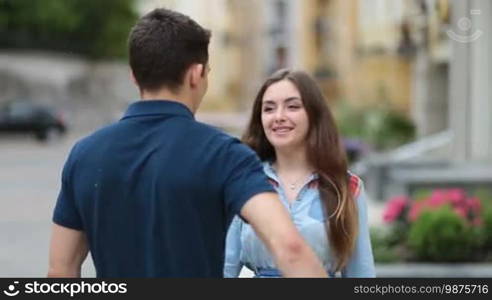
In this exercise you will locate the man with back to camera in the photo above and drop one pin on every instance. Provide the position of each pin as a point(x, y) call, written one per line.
point(153, 194)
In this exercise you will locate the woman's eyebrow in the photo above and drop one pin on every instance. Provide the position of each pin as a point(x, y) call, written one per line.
point(290, 99)
point(286, 100)
point(265, 102)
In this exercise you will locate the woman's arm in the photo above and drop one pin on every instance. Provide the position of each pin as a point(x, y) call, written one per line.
point(361, 264)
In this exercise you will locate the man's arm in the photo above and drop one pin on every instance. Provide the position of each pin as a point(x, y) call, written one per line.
point(273, 225)
point(68, 251)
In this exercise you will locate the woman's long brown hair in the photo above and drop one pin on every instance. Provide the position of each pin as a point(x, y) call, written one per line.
point(324, 152)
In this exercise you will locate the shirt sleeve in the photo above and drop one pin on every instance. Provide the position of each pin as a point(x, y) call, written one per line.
point(244, 177)
point(361, 263)
point(66, 213)
point(233, 264)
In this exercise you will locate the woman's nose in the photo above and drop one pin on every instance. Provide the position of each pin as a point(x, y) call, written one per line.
point(279, 115)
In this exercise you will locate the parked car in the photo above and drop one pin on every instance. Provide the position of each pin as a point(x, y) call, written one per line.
point(30, 117)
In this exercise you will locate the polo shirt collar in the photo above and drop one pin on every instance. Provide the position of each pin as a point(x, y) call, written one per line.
point(157, 107)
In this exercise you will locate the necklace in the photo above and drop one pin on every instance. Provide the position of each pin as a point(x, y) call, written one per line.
point(293, 185)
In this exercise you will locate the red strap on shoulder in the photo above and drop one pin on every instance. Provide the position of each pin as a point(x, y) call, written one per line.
point(354, 185)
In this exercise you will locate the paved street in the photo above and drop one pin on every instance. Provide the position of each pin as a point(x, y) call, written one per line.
point(29, 183)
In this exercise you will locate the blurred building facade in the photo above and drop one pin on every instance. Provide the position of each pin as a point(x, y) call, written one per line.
point(470, 100)
point(451, 103)
point(350, 46)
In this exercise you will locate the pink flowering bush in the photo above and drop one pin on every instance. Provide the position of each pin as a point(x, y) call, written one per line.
point(401, 208)
point(439, 225)
point(396, 209)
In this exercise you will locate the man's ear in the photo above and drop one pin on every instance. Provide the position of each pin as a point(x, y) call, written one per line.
point(132, 76)
point(196, 74)
point(134, 80)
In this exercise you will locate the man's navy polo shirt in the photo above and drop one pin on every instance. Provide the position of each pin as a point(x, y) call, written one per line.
point(156, 191)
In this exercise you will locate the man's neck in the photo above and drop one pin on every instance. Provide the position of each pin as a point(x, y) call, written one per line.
point(168, 95)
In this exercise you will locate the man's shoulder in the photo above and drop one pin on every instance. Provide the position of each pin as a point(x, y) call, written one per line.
point(218, 134)
point(94, 138)
point(99, 133)
point(225, 145)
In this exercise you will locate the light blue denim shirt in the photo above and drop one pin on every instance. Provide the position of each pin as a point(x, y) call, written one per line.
point(244, 248)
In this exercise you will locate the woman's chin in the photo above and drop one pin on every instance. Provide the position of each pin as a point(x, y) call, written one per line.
point(283, 145)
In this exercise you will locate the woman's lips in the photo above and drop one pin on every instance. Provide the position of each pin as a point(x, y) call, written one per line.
point(281, 130)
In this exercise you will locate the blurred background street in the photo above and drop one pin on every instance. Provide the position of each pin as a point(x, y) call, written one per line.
point(409, 82)
point(29, 182)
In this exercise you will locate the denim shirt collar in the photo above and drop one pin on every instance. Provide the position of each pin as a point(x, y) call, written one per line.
point(157, 107)
point(272, 174)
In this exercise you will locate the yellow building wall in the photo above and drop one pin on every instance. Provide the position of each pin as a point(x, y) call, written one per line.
point(383, 79)
point(305, 35)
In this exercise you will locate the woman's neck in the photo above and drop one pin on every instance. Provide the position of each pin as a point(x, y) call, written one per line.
point(292, 162)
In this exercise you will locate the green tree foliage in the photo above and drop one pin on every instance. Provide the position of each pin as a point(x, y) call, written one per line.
point(378, 125)
point(94, 28)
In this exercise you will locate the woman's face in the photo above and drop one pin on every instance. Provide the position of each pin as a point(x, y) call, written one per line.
point(283, 116)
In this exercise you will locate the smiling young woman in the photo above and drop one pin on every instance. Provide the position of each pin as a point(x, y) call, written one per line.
point(294, 133)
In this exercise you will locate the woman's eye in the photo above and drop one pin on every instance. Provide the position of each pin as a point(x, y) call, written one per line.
point(294, 107)
point(267, 109)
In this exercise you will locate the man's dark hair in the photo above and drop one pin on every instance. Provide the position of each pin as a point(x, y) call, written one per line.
point(163, 45)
